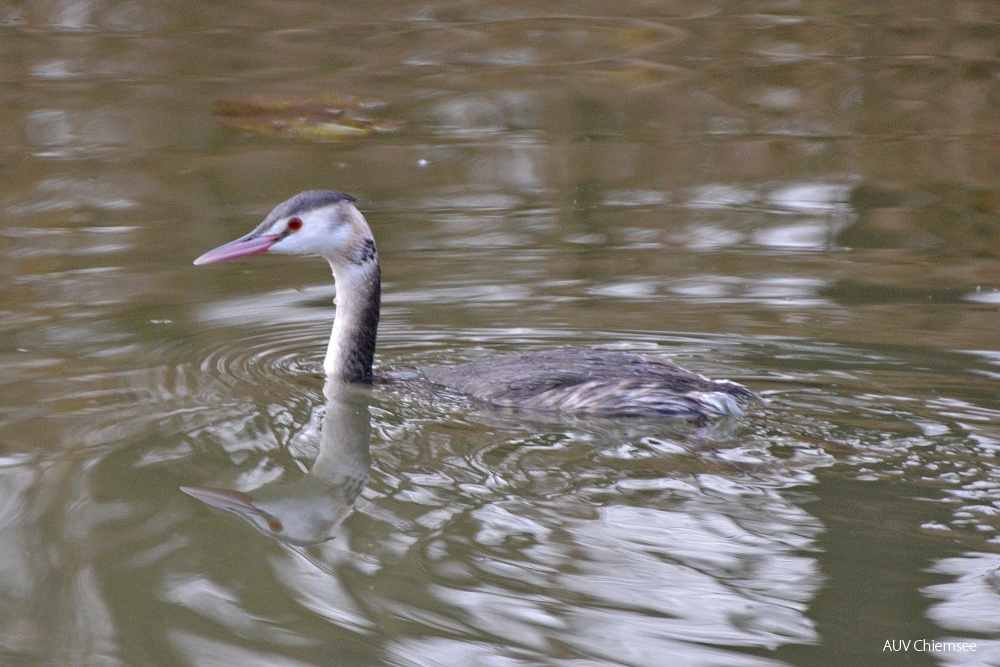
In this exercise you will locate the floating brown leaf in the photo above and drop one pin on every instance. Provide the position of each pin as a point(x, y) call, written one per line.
point(327, 117)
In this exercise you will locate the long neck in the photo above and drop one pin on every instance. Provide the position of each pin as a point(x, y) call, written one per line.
point(352, 341)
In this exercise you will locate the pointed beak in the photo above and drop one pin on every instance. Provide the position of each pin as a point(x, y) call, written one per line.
point(240, 503)
point(225, 499)
point(243, 247)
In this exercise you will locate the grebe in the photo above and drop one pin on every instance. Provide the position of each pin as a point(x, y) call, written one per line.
point(588, 381)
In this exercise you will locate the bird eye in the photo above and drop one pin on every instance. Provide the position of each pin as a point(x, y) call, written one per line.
point(295, 224)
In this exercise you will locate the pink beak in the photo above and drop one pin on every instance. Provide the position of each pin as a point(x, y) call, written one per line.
point(234, 501)
point(243, 247)
point(225, 499)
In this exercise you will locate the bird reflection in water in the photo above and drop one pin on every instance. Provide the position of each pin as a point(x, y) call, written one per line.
point(308, 511)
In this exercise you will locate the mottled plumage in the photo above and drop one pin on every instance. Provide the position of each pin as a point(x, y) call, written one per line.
point(594, 381)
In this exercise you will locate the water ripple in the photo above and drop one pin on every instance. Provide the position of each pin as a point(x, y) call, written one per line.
point(275, 354)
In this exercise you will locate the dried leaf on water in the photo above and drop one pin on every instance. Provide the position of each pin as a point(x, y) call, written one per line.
point(327, 117)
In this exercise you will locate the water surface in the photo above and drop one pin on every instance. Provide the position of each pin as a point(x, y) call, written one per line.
point(802, 198)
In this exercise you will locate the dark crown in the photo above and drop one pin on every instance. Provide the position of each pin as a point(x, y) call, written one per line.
point(308, 201)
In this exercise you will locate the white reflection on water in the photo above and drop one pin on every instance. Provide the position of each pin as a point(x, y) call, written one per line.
point(58, 68)
point(800, 197)
point(980, 295)
point(772, 291)
point(212, 652)
point(719, 195)
point(58, 133)
point(713, 570)
point(67, 193)
point(970, 603)
point(801, 235)
point(818, 211)
point(704, 565)
point(810, 197)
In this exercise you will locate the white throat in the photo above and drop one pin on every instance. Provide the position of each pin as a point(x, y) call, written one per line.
point(355, 325)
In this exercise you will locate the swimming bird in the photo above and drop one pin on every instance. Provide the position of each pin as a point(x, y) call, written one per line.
point(590, 381)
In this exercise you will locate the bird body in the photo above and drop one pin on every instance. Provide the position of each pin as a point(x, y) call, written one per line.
point(581, 381)
point(594, 381)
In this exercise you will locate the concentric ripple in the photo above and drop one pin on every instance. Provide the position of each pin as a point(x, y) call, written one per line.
point(277, 336)
point(271, 355)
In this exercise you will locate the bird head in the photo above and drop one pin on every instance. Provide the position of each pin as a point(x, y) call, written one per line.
point(315, 222)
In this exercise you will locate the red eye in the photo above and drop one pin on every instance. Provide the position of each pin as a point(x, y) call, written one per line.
point(295, 224)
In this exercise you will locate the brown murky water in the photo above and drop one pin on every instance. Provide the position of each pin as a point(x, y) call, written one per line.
point(799, 196)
